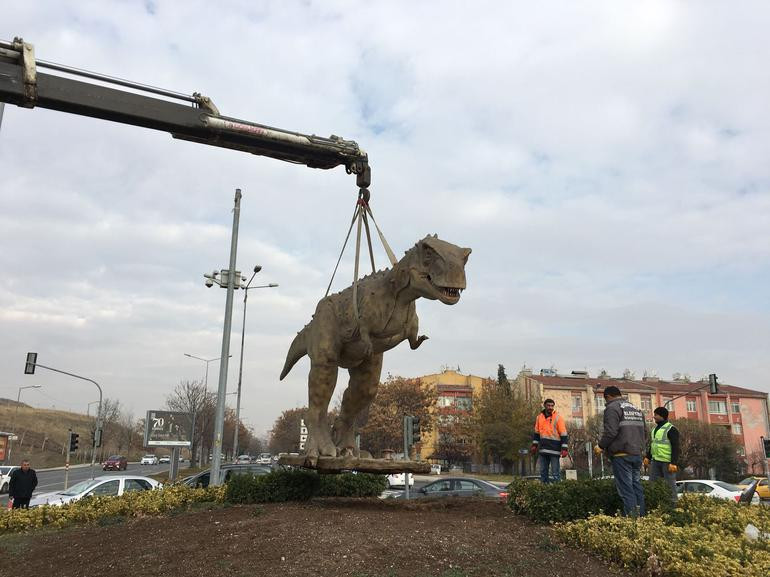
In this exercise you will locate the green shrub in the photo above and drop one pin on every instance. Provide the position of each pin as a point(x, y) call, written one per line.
point(700, 537)
point(301, 485)
point(569, 500)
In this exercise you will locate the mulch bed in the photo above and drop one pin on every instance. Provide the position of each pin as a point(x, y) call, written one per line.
point(329, 537)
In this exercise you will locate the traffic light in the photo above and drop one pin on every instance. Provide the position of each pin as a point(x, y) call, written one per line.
point(713, 384)
point(97, 438)
point(415, 429)
point(766, 442)
point(73, 442)
point(29, 366)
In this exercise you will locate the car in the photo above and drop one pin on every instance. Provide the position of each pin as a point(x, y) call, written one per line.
point(458, 487)
point(149, 460)
point(713, 489)
point(763, 488)
point(435, 469)
point(165, 459)
point(397, 480)
point(226, 472)
point(115, 463)
point(265, 459)
point(243, 460)
point(105, 486)
point(5, 477)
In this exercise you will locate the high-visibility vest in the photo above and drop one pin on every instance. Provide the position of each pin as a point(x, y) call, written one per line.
point(661, 446)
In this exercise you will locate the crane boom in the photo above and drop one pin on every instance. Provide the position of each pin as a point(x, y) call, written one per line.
point(198, 120)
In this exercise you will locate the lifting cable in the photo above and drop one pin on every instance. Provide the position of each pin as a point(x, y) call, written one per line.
point(361, 216)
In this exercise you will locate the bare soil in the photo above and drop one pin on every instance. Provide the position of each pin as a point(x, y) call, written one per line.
point(329, 537)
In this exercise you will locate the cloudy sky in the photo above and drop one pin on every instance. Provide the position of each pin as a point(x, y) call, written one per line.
point(606, 161)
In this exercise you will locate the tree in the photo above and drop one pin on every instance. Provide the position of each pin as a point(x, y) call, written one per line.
point(284, 436)
point(454, 443)
point(396, 397)
point(503, 421)
point(191, 397)
point(703, 447)
point(502, 379)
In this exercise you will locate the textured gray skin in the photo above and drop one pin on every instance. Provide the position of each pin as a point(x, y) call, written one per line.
point(432, 269)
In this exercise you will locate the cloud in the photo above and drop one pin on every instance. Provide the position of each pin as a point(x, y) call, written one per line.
point(606, 164)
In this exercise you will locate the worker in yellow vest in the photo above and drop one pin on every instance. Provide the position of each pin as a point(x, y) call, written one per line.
point(663, 454)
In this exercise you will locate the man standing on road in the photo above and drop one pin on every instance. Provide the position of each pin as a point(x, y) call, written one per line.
point(624, 437)
point(549, 442)
point(23, 483)
point(663, 454)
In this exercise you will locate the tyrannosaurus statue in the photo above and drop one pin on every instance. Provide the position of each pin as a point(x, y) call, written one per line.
point(432, 269)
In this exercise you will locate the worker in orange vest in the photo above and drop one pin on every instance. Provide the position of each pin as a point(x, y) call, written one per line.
point(549, 442)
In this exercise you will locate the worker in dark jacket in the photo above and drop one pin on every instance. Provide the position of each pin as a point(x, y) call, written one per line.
point(624, 437)
point(23, 483)
point(663, 454)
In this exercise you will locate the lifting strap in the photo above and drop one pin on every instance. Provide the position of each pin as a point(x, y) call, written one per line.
point(361, 216)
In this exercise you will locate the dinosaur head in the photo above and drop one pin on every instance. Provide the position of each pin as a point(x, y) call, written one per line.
point(439, 270)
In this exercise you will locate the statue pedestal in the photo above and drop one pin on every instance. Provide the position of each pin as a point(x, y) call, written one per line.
point(363, 465)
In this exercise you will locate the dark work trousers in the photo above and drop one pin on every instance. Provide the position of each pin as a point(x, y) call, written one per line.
point(659, 470)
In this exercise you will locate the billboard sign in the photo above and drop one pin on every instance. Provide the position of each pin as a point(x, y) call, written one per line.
point(3, 446)
point(167, 429)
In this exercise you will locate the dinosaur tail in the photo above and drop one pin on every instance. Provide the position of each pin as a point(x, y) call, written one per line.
point(297, 350)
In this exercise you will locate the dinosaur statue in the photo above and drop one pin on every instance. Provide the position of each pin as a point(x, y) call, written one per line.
point(432, 269)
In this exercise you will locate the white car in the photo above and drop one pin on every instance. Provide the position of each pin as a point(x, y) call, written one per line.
point(149, 460)
point(265, 459)
point(243, 460)
point(165, 459)
point(106, 486)
point(5, 477)
point(435, 469)
point(714, 489)
point(397, 480)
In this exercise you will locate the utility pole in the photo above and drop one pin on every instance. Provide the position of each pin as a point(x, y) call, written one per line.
point(407, 434)
point(222, 391)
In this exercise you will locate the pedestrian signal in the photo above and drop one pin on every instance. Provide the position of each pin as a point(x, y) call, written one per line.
point(73, 442)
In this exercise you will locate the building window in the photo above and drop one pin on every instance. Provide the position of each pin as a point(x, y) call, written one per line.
point(736, 407)
point(741, 451)
point(464, 403)
point(446, 401)
point(577, 422)
point(599, 403)
point(668, 403)
point(692, 406)
point(717, 407)
point(737, 429)
point(577, 404)
point(646, 404)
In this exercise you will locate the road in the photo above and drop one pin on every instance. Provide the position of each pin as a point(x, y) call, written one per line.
point(48, 481)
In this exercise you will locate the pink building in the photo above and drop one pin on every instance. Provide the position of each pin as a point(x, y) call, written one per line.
point(743, 411)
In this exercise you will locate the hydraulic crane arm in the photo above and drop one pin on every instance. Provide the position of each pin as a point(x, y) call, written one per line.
point(198, 120)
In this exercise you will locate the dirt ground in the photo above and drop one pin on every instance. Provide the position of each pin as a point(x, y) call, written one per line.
point(339, 537)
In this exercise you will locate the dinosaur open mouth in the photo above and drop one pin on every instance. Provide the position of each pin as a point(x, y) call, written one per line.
point(448, 292)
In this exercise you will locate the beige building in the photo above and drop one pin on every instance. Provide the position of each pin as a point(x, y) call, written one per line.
point(455, 396)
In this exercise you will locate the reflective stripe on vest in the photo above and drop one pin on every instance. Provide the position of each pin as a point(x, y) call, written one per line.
point(661, 446)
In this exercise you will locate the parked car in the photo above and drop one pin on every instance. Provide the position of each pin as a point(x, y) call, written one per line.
point(5, 477)
point(149, 460)
point(458, 487)
point(397, 480)
point(435, 469)
point(226, 471)
point(165, 459)
point(115, 463)
point(243, 459)
point(106, 486)
point(763, 488)
point(714, 489)
point(265, 459)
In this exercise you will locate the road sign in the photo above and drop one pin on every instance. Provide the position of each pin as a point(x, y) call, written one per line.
point(302, 434)
point(29, 367)
point(167, 429)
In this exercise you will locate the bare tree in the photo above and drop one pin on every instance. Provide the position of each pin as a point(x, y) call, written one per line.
point(191, 397)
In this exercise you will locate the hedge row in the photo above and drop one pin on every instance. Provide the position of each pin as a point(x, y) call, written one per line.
point(700, 537)
point(94, 510)
point(570, 500)
point(301, 485)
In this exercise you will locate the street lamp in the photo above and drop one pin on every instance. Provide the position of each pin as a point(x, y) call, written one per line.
point(88, 409)
point(246, 290)
point(207, 361)
point(16, 412)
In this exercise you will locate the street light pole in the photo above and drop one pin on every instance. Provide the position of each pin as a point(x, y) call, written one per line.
point(220, 414)
point(18, 402)
point(205, 390)
point(246, 290)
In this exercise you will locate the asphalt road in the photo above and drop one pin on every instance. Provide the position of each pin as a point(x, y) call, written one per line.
point(48, 481)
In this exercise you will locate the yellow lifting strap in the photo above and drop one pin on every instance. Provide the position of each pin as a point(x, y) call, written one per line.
point(361, 216)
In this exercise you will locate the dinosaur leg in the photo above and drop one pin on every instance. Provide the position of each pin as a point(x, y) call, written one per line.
point(411, 333)
point(321, 383)
point(361, 390)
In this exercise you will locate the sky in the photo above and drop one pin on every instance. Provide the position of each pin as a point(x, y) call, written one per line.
point(606, 162)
